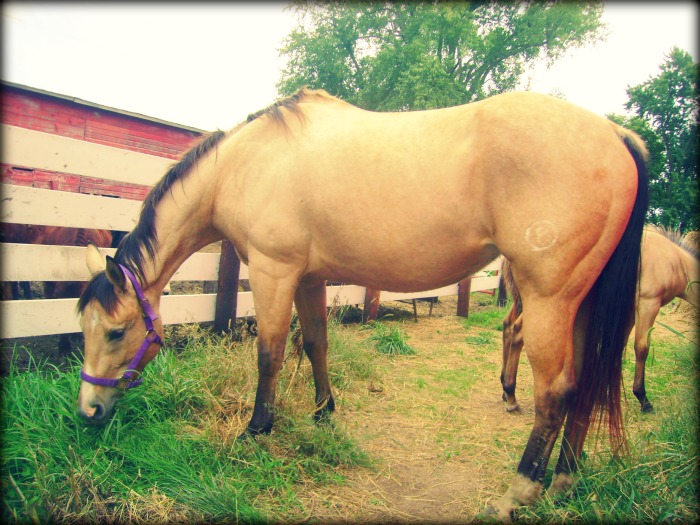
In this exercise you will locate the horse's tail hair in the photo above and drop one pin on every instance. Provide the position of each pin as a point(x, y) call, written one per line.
point(511, 287)
point(612, 315)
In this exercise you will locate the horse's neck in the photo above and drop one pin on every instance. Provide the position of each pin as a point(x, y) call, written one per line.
point(183, 226)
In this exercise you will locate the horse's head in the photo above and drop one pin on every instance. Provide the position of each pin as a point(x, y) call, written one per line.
point(122, 334)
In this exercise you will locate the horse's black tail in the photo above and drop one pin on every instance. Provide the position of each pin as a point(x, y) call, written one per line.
point(612, 315)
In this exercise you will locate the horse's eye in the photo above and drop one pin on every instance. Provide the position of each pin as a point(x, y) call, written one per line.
point(115, 335)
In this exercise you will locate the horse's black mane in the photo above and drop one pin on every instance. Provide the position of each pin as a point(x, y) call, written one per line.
point(143, 237)
point(274, 110)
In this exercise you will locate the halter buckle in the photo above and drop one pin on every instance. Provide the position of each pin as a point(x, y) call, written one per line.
point(125, 382)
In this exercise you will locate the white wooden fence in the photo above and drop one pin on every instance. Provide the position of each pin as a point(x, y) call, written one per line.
point(25, 205)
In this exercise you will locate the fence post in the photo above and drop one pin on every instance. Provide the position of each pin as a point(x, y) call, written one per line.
point(463, 291)
point(227, 289)
point(369, 313)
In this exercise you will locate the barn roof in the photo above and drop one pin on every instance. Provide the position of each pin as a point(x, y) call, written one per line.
point(95, 105)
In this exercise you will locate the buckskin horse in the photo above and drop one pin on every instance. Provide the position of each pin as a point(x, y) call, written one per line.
point(287, 188)
point(670, 268)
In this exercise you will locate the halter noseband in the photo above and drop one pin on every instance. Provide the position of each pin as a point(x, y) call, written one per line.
point(149, 316)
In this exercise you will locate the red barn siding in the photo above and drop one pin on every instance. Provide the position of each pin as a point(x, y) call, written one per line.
point(52, 113)
point(29, 111)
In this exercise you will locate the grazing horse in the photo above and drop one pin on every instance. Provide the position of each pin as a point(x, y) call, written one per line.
point(287, 187)
point(670, 268)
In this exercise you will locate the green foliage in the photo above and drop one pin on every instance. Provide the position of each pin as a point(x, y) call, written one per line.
point(390, 340)
point(164, 457)
point(666, 117)
point(658, 482)
point(481, 339)
point(491, 318)
point(407, 56)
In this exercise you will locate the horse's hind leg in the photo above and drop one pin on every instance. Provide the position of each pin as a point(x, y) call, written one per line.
point(576, 427)
point(512, 346)
point(310, 301)
point(646, 314)
point(550, 351)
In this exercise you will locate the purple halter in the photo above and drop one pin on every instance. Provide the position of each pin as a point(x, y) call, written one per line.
point(149, 316)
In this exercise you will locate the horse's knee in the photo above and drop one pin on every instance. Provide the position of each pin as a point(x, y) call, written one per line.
point(269, 360)
point(551, 407)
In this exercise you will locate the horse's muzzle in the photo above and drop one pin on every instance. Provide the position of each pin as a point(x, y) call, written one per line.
point(96, 411)
point(96, 414)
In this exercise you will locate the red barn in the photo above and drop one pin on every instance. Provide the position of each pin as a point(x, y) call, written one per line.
point(70, 117)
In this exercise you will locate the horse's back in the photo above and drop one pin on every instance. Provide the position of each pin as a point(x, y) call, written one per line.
point(69, 236)
point(424, 198)
point(664, 274)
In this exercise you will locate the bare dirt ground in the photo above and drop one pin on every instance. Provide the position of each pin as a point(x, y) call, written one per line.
point(436, 427)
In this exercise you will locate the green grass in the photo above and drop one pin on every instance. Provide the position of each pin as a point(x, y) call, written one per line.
point(658, 482)
point(170, 454)
point(390, 339)
point(490, 317)
point(171, 449)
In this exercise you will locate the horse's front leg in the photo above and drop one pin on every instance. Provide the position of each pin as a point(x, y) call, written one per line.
point(310, 301)
point(273, 298)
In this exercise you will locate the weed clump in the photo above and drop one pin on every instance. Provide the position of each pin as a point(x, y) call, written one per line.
point(390, 340)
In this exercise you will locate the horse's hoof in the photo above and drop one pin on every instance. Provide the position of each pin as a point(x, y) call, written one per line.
point(647, 407)
point(323, 414)
point(560, 487)
point(250, 433)
point(513, 409)
point(323, 418)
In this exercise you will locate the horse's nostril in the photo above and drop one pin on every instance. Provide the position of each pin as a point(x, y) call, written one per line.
point(94, 414)
point(99, 411)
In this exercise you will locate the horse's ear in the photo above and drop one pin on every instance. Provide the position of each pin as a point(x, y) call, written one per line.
point(115, 274)
point(94, 260)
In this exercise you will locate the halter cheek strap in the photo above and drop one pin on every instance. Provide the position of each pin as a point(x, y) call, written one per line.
point(149, 316)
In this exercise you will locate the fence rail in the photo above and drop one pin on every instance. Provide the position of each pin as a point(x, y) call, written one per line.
point(26, 205)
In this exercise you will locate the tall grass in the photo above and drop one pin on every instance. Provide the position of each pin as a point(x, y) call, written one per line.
point(171, 451)
point(658, 482)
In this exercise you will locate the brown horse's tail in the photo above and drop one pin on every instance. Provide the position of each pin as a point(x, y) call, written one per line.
point(612, 315)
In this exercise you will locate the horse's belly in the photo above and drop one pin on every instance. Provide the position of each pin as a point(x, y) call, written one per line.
point(403, 270)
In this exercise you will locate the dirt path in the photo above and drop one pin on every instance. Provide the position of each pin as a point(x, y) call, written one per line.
point(443, 443)
point(440, 435)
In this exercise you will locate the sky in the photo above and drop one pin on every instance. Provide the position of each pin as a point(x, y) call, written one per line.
point(209, 65)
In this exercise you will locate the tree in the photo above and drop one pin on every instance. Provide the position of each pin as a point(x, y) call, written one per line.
point(666, 117)
point(419, 55)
